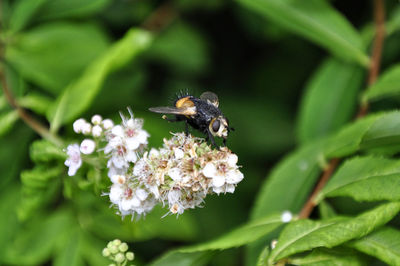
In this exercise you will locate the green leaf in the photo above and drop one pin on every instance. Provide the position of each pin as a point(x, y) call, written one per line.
point(329, 100)
point(56, 9)
point(7, 120)
point(37, 189)
point(365, 179)
point(45, 151)
point(240, 236)
point(387, 85)
point(383, 244)
point(78, 96)
point(289, 184)
point(91, 248)
point(36, 102)
point(384, 134)
point(53, 54)
point(9, 224)
point(324, 256)
point(316, 21)
point(326, 211)
point(174, 258)
point(69, 249)
point(262, 258)
point(34, 244)
point(303, 235)
point(347, 140)
point(23, 11)
point(182, 47)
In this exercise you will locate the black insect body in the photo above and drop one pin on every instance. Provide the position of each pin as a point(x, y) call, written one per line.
point(201, 113)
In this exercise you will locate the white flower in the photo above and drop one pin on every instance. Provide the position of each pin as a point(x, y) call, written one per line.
point(96, 119)
point(78, 125)
point(178, 153)
point(131, 200)
point(286, 216)
point(96, 131)
point(86, 128)
point(107, 124)
point(87, 146)
point(74, 160)
point(118, 179)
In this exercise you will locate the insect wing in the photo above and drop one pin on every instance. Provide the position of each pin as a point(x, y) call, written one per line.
point(210, 97)
point(173, 110)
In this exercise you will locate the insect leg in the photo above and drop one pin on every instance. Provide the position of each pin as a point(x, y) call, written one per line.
point(210, 136)
point(186, 128)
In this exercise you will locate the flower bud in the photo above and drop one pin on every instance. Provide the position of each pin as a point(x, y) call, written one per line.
point(123, 247)
point(96, 131)
point(119, 258)
point(113, 249)
point(78, 125)
point(107, 123)
point(130, 255)
point(87, 146)
point(96, 119)
point(106, 252)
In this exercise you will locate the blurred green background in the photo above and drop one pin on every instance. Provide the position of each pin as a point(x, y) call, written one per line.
point(258, 69)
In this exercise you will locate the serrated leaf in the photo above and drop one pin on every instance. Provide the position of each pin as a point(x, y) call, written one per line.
point(36, 102)
point(78, 96)
point(37, 189)
point(23, 11)
point(240, 236)
point(387, 85)
point(365, 179)
point(7, 120)
point(383, 244)
point(303, 235)
point(316, 21)
point(347, 141)
point(45, 151)
point(384, 134)
point(37, 54)
point(324, 256)
point(329, 100)
point(57, 9)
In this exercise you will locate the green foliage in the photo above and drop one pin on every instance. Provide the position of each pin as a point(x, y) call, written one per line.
point(304, 235)
point(77, 97)
point(270, 61)
point(317, 21)
point(383, 244)
point(333, 92)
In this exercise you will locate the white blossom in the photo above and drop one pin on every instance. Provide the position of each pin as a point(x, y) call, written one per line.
point(96, 119)
point(78, 125)
point(97, 131)
point(86, 128)
point(87, 146)
point(74, 160)
point(107, 124)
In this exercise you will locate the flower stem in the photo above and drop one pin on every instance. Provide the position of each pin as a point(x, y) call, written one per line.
point(379, 19)
point(38, 127)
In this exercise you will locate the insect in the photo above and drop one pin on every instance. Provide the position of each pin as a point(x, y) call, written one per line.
point(201, 113)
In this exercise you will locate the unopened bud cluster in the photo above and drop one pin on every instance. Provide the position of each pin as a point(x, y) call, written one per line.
point(117, 251)
point(179, 175)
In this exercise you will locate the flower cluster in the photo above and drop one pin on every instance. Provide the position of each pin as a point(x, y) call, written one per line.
point(178, 175)
point(117, 251)
point(185, 170)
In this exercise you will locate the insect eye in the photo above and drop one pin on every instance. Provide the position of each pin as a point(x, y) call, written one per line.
point(215, 125)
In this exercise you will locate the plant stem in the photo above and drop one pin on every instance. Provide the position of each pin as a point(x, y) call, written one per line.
point(379, 19)
point(160, 18)
point(39, 128)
